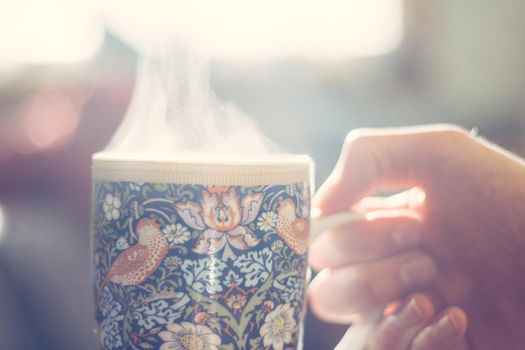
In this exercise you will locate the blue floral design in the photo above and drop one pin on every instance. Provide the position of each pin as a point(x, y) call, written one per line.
point(204, 275)
point(218, 263)
point(111, 323)
point(160, 312)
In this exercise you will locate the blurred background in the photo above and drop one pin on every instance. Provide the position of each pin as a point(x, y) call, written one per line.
point(306, 72)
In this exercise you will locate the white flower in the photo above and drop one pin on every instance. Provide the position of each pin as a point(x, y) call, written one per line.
point(111, 207)
point(278, 327)
point(176, 233)
point(172, 261)
point(122, 243)
point(277, 245)
point(267, 221)
point(189, 336)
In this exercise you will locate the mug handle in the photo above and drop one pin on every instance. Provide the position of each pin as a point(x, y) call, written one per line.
point(321, 223)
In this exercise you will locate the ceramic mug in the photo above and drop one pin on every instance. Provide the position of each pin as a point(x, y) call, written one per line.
point(200, 255)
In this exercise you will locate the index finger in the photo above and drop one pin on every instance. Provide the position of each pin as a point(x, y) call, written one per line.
point(384, 158)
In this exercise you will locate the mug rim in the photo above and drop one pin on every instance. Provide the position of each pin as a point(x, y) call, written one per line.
point(273, 169)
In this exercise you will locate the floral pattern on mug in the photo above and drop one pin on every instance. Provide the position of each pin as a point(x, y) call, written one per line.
point(278, 327)
point(111, 206)
point(176, 233)
point(199, 267)
point(221, 216)
point(188, 336)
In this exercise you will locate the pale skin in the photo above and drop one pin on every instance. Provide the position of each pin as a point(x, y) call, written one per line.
point(456, 261)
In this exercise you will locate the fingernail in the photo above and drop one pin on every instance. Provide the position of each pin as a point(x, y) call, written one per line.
point(417, 271)
point(406, 236)
point(411, 314)
point(446, 327)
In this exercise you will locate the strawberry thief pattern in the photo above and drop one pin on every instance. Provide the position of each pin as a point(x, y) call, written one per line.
point(195, 267)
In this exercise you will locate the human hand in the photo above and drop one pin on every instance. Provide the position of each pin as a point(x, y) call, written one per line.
point(414, 325)
point(472, 224)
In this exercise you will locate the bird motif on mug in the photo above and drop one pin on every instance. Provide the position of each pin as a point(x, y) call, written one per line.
point(293, 230)
point(134, 265)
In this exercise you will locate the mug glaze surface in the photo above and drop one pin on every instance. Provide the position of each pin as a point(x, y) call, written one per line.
point(199, 267)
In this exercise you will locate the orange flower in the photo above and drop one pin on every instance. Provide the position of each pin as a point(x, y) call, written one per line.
point(221, 216)
point(236, 302)
point(268, 306)
point(202, 317)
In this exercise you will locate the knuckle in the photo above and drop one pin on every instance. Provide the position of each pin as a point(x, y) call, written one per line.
point(442, 141)
point(359, 143)
point(355, 134)
point(452, 135)
point(451, 127)
point(357, 139)
point(454, 132)
point(361, 147)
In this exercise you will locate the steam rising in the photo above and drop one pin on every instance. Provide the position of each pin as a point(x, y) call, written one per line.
point(175, 113)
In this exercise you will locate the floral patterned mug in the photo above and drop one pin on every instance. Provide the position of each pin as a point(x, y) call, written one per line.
point(200, 255)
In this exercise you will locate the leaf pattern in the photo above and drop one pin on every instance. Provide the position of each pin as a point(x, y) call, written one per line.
point(256, 266)
point(160, 311)
point(204, 274)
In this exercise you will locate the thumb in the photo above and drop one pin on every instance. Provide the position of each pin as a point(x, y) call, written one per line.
point(374, 159)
